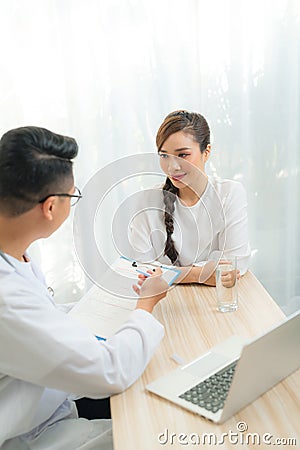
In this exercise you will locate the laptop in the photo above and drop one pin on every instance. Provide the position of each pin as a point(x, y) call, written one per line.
point(234, 373)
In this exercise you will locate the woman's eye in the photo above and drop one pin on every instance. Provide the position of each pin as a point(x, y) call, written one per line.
point(163, 155)
point(183, 155)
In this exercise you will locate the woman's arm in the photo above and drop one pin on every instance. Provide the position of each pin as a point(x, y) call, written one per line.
point(233, 239)
point(196, 274)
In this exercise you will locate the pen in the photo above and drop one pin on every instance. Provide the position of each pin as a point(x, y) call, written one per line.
point(143, 273)
point(100, 338)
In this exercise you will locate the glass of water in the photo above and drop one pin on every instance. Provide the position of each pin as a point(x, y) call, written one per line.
point(226, 285)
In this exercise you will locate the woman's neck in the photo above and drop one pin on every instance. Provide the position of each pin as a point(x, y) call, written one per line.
point(190, 196)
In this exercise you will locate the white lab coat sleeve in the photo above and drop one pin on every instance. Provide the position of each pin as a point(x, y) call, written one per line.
point(233, 239)
point(65, 307)
point(44, 346)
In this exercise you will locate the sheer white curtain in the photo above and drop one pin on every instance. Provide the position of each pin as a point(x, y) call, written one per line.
point(108, 71)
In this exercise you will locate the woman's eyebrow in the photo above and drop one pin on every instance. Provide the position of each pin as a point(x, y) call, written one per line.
point(177, 150)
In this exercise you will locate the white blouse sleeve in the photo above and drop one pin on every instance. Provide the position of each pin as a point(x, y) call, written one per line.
point(233, 239)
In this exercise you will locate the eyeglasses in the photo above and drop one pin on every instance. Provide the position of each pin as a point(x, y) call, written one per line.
point(74, 197)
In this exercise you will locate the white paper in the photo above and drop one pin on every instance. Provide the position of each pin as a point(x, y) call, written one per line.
point(101, 312)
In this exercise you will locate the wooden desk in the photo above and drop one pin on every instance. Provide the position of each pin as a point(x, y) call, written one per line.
point(192, 326)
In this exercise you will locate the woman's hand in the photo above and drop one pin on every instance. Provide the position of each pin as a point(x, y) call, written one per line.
point(229, 278)
point(150, 289)
point(206, 274)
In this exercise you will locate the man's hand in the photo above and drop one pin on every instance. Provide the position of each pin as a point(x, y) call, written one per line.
point(150, 289)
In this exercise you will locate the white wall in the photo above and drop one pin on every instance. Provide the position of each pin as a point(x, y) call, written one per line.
point(107, 72)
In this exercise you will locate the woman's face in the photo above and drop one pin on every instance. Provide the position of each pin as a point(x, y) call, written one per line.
point(182, 160)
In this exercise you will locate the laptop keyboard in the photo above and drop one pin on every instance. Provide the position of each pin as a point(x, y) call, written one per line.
point(211, 393)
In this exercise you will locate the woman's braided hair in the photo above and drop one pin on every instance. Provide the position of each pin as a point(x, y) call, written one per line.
point(195, 125)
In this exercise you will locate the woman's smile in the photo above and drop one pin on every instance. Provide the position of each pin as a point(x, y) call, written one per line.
point(177, 177)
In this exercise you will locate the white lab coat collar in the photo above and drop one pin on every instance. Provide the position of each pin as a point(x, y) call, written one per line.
point(28, 270)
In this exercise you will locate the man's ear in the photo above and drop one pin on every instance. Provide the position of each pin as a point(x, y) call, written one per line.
point(206, 152)
point(47, 208)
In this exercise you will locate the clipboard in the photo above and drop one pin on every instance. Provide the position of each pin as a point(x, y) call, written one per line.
point(102, 312)
point(131, 268)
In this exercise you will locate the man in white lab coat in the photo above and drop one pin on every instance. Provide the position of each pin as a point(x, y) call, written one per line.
point(46, 358)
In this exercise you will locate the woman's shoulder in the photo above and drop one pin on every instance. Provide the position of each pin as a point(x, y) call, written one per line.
point(151, 196)
point(154, 188)
point(225, 187)
point(158, 186)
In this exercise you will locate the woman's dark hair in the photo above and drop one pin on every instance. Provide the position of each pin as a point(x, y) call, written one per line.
point(34, 162)
point(195, 125)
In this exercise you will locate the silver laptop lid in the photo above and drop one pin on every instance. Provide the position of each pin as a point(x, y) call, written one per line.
point(263, 363)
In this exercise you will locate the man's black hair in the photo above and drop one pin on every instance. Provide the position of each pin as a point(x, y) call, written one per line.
point(34, 162)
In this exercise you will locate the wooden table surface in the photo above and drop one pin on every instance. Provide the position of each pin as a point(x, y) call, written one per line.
point(193, 325)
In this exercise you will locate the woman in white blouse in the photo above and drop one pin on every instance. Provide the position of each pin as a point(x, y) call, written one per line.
point(192, 220)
